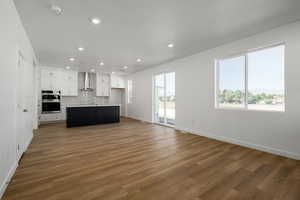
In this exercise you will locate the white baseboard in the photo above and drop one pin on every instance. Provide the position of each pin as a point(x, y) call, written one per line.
point(243, 143)
point(136, 118)
point(8, 178)
point(13, 170)
point(28, 142)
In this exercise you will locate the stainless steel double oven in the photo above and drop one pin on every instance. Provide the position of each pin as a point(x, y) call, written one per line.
point(51, 101)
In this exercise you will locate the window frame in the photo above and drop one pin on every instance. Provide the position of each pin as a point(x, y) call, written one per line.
point(129, 91)
point(245, 54)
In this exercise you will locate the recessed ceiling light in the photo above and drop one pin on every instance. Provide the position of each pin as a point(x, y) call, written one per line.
point(112, 72)
point(138, 60)
point(80, 49)
point(92, 70)
point(125, 67)
point(56, 9)
point(68, 67)
point(95, 20)
point(101, 63)
point(72, 59)
point(170, 45)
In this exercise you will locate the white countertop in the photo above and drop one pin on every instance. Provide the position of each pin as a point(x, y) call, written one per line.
point(91, 105)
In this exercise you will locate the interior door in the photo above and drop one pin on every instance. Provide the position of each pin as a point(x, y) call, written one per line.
point(164, 98)
point(25, 93)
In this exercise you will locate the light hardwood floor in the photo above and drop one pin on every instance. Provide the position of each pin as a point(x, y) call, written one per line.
point(141, 161)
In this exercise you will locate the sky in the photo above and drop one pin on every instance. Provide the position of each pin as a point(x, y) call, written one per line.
point(265, 71)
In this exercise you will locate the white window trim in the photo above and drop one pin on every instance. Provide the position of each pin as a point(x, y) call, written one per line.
point(129, 92)
point(245, 54)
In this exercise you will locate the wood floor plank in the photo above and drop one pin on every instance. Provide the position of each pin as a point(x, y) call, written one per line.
point(141, 161)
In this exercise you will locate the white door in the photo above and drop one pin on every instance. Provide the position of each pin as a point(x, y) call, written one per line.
point(25, 93)
point(164, 98)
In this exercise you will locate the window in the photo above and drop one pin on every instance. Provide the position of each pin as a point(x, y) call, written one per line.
point(253, 81)
point(232, 82)
point(129, 89)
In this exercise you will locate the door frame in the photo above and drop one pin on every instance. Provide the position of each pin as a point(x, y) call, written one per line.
point(153, 97)
point(20, 140)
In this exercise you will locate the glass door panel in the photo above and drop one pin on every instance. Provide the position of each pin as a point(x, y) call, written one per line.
point(170, 98)
point(164, 98)
point(159, 88)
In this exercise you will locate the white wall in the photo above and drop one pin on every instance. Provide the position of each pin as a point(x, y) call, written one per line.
point(12, 38)
point(117, 96)
point(269, 131)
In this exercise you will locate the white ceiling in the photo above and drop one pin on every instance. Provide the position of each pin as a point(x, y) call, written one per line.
point(132, 29)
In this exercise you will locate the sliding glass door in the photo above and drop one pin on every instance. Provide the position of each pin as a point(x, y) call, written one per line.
point(164, 98)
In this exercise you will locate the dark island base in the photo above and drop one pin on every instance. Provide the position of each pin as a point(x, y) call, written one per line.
point(92, 115)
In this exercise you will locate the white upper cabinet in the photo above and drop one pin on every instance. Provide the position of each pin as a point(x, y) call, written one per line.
point(50, 79)
point(103, 85)
point(60, 79)
point(117, 81)
point(69, 83)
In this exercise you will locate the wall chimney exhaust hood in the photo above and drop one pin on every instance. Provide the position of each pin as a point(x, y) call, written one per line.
point(87, 82)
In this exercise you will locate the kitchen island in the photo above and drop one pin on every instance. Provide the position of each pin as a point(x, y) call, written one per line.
point(84, 115)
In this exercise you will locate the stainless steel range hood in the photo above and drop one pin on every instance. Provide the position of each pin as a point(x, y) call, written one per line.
point(87, 82)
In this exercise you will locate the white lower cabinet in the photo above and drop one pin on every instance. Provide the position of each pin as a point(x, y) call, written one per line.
point(103, 85)
point(51, 117)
